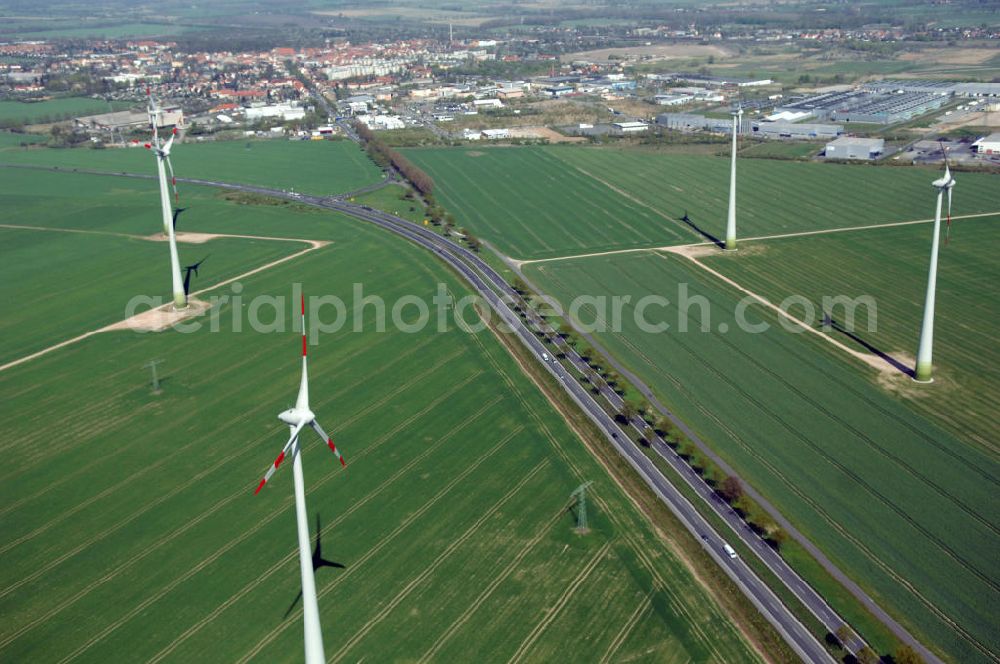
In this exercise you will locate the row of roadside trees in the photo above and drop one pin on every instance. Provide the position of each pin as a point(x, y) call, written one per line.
point(385, 156)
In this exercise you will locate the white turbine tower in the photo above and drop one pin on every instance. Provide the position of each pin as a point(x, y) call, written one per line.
point(731, 221)
point(297, 418)
point(926, 349)
point(162, 153)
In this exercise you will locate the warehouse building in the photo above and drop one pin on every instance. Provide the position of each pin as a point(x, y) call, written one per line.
point(286, 112)
point(850, 147)
point(988, 144)
point(695, 122)
point(978, 89)
point(126, 120)
point(791, 130)
point(890, 86)
point(628, 128)
point(890, 109)
point(672, 100)
point(868, 107)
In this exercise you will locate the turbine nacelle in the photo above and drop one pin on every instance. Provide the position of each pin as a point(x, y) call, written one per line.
point(296, 416)
point(946, 181)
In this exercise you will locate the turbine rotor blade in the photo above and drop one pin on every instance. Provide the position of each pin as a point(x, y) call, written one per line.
point(303, 399)
point(947, 235)
point(329, 441)
point(280, 458)
point(170, 166)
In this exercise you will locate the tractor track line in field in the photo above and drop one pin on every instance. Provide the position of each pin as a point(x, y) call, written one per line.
point(246, 535)
point(563, 600)
point(287, 622)
point(437, 562)
point(644, 606)
point(488, 591)
point(215, 613)
point(187, 526)
point(625, 194)
point(121, 524)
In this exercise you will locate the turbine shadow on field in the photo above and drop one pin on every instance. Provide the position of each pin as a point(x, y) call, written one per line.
point(318, 561)
point(700, 231)
point(830, 324)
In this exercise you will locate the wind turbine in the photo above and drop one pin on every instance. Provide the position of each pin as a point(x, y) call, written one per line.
point(926, 348)
point(731, 221)
point(162, 153)
point(298, 418)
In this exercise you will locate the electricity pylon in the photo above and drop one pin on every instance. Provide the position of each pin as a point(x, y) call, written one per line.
point(580, 494)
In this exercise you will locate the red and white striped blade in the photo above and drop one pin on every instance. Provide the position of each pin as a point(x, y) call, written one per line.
point(329, 442)
point(173, 180)
point(302, 401)
point(278, 461)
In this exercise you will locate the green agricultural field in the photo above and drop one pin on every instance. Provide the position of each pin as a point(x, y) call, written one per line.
point(780, 149)
point(530, 204)
point(111, 219)
point(315, 167)
point(901, 504)
point(542, 202)
point(966, 355)
point(11, 141)
point(55, 109)
point(131, 531)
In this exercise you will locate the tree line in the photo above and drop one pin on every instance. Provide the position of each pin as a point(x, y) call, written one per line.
point(384, 156)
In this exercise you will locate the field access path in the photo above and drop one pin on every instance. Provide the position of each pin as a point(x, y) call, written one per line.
point(885, 364)
point(516, 263)
point(162, 316)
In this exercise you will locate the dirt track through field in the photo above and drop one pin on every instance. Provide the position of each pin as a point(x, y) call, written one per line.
point(164, 316)
point(882, 365)
point(758, 238)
